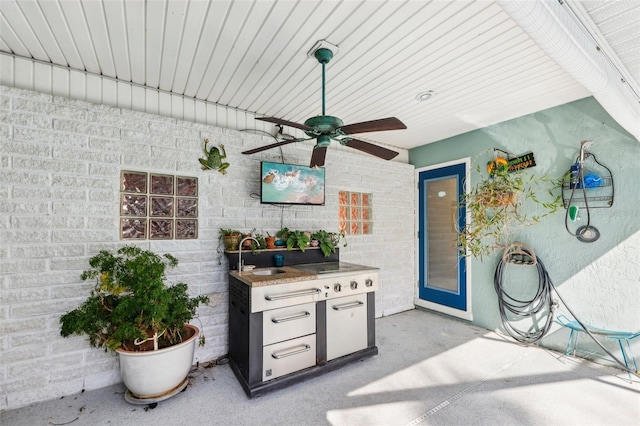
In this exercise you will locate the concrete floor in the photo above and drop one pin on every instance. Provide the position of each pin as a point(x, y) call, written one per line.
point(431, 370)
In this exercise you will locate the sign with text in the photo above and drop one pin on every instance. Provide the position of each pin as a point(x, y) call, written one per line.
point(521, 162)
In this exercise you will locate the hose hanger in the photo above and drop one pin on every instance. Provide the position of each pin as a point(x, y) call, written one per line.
point(518, 253)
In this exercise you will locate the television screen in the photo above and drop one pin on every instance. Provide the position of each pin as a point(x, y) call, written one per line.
point(291, 184)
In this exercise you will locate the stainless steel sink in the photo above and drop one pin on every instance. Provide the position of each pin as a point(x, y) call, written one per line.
point(268, 272)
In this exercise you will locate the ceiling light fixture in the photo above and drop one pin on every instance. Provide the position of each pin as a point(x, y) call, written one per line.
point(425, 96)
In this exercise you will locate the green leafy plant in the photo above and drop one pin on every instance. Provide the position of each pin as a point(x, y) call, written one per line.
point(326, 242)
point(229, 239)
point(131, 303)
point(501, 203)
point(298, 239)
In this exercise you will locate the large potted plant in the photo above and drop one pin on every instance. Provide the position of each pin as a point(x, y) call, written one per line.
point(500, 203)
point(133, 312)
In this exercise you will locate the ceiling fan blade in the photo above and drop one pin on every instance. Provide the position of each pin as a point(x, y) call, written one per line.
point(380, 125)
point(370, 148)
point(285, 123)
point(318, 156)
point(273, 145)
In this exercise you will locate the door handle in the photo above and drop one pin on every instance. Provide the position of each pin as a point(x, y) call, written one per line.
point(301, 315)
point(349, 305)
point(290, 352)
point(309, 292)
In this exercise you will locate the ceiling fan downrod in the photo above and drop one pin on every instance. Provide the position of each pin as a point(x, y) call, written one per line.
point(323, 55)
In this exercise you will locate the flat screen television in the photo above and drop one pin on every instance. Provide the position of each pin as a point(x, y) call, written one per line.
point(291, 184)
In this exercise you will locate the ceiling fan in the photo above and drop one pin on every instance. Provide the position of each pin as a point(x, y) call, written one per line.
point(325, 128)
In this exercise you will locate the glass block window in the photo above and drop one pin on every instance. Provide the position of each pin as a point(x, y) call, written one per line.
point(158, 206)
point(354, 213)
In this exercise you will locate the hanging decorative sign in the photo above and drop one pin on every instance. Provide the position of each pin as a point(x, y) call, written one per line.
point(521, 162)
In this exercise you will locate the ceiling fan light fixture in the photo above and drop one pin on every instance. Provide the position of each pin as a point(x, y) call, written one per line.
point(425, 96)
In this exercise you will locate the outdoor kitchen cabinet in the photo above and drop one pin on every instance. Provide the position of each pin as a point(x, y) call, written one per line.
point(274, 348)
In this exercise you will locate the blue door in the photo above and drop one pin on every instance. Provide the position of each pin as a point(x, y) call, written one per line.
point(442, 280)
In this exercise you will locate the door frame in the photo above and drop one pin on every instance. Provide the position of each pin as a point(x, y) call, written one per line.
point(468, 314)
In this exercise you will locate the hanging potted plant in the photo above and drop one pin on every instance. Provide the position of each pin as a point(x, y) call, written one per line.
point(132, 312)
point(498, 204)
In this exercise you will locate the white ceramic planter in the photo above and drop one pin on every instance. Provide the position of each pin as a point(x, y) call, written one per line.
point(157, 375)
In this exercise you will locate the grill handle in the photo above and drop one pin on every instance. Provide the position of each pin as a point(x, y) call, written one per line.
point(309, 292)
point(301, 315)
point(290, 352)
point(349, 305)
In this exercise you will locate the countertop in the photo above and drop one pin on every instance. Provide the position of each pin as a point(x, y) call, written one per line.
point(290, 274)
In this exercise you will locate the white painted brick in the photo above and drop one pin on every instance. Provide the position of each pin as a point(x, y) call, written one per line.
point(25, 178)
point(10, 326)
point(20, 207)
point(27, 120)
point(40, 338)
point(49, 165)
point(25, 295)
point(42, 308)
point(80, 127)
point(75, 154)
point(15, 266)
point(22, 134)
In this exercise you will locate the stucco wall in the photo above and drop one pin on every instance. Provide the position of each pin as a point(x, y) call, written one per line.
point(600, 281)
point(60, 163)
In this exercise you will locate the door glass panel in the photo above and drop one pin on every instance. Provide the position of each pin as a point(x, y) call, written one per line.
point(442, 201)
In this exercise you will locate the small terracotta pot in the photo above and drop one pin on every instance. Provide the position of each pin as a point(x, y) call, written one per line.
point(271, 242)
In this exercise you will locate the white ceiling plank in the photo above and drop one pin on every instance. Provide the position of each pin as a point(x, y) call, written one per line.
point(97, 23)
point(273, 52)
point(155, 20)
point(57, 22)
point(116, 20)
point(136, 30)
point(78, 27)
point(300, 76)
point(232, 23)
point(289, 58)
point(17, 21)
point(10, 40)
point(269, 22)
point(204, 53)
point(193, 30)
point(173, 32)
point(46, 38)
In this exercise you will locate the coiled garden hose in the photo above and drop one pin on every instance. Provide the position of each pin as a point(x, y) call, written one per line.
point(520, 254)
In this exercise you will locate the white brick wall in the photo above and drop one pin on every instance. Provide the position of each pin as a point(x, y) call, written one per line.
point(60, 163)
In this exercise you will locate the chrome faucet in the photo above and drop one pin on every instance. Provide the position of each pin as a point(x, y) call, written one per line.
point(240, 252)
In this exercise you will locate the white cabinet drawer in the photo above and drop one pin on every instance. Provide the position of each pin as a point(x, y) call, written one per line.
point(288, 323)
point(288, 356)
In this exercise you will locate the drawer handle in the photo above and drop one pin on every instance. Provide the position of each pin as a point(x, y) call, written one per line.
point(290, 352)
point(301, 315)
point(349, 305)
point(309, 292)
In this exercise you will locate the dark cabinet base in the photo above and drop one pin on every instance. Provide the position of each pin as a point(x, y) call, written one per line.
point(246, 343)
point(299, 376)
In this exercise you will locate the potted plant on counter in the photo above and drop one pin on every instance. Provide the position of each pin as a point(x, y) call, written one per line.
point(132, 312)
point(270, 241)
point(325, 242)
point(299, 239)
point(230, 238)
